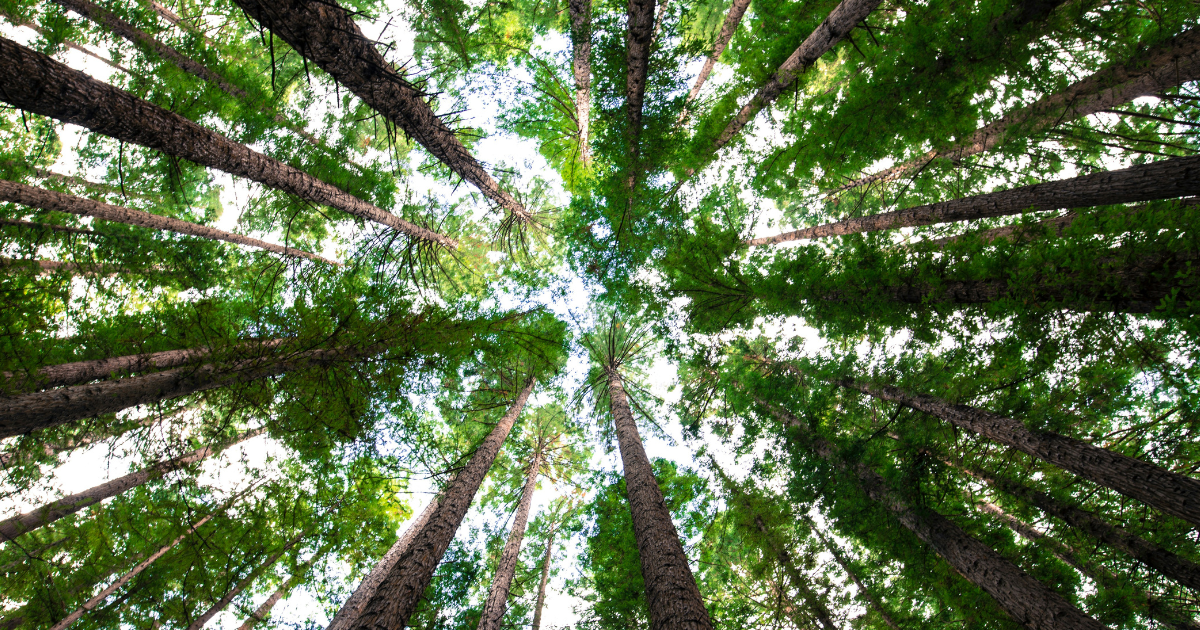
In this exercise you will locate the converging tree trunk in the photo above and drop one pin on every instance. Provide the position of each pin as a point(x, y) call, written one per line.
point(237, 589)
point(863, 589)
point(260, 614)
point(1162, 67)
point(581, 67)
point(638, 33)
point(728, 28)
point(497, 600)
point(1165, 179)
point(59, 202)
point(811, 599)
point(541, 596)
point(671, 594)
point(37, 83)
point(15, 526)
point(324, 33)
point(397, 596)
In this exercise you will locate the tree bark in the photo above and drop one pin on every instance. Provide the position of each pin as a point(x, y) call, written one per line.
point(638, 33)
point(1025, 599)
point(834, 29)
point(818, 608)
point(541, 596)
point(728, 28)
point(1165, 179)
point(671, 594)
point(35, 82)
point(397, 596)
point(260, 613)
point(581, 67)
point(220, 605)
point(12, 527)
point(1167, 65)
point(497, 600)
point(867, 594)
point(59, 202)
point(324, 33)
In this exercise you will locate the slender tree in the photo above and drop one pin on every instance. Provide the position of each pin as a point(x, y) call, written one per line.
point(639, 30)
point(45, 227)
point(784, 557)
point(581, 67)
point(728, 28)
point(237, 589)
point(260, 614)
point(541, 596)
point(863, 590)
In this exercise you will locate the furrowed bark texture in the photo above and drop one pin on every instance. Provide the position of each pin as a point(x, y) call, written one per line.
point(638, 33)
point(1170, 565)
point(12, 527)
point(671, 593)
point(399, 593)
point(541, 597)
point(1165, 66)
point(1025, 599)
point(834, 29)
point(1172, 493)
point(818, 608)
point(35, 82)
point(324, 33)
point(348, 613)
point(1165, 179)
point(728, 28)
point(866, 592)
point(497, 600)
point(581, 67)
point(260, 613)
point(38, 410)
point(59, 202)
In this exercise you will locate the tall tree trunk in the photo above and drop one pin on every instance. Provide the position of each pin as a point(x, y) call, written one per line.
point(671, 593)
point(350, 610)
point(541, 596)
point(834, 29)
point(1172, 493)
point(35, 82)
point(59, 202)
point(260, 613)
point(728, 28)
point(1169, 564)
point(866, 592)
point(399, 593)
point(237, 589)
point(1025, 599)
point(639, 29)
point(811, 598)
point(324, 33)
point(15, 526)
point(581, 67)
point(1165, 179)
point(1167, 65)
point(497, 600)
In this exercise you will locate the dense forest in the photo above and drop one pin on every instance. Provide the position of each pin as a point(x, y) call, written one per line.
point(669, 314)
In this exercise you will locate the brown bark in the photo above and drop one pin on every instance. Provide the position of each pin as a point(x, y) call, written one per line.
point(237, 589)
point(581, 67)
point(866, 592)
point(45, 226)
point(1165, 179)
point(35, 82)
point(260, 613)
point(835, 28)
point(1025, 599)
point(541, 596)
point(497, 600)
point(399, 593)
point(728, 28)
point(638, 32)
point(671, 594)
point(79, 206)
point(811, 599)
point(1161, 68)
point(12, 527)
point(324, 33)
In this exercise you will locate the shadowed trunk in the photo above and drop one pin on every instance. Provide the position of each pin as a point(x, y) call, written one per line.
point(1165, 179)
point(732, 20)
point(497, 601)
point(72, 443)
point(639, 30)
point(45, 227)
point(59, 202)
point(1025, 599)
point(836, 26)
point(48, 267)
point(1167, 65)
point(581, 67)
point(237, 589)
point(818, 607)
point(866, 592)
point(671, 594)
point(541, 596)
point(35, 82)
point(15, 526)
point(398, 594)
point(261, 613)
point(324, 33)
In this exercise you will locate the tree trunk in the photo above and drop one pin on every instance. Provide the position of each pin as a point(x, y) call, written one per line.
point(671, 594)
point(260, 613)
point(1170, 565)
point(1025, 599)
point(242, 584)
point(581, 66)
point(56, 201)
point(497, 599)
point(399, 593)
point(1172, 493)
point(15, 526)
point(72, 443)
point(867, 594)
point(48, 267)
point(1167, 65)
point(732, 20)
point(1165, 179)
point(541, 596)
point(35, 82)
point(818, 608)
point(835, 28)
point(324, 33)
point(638, 32)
